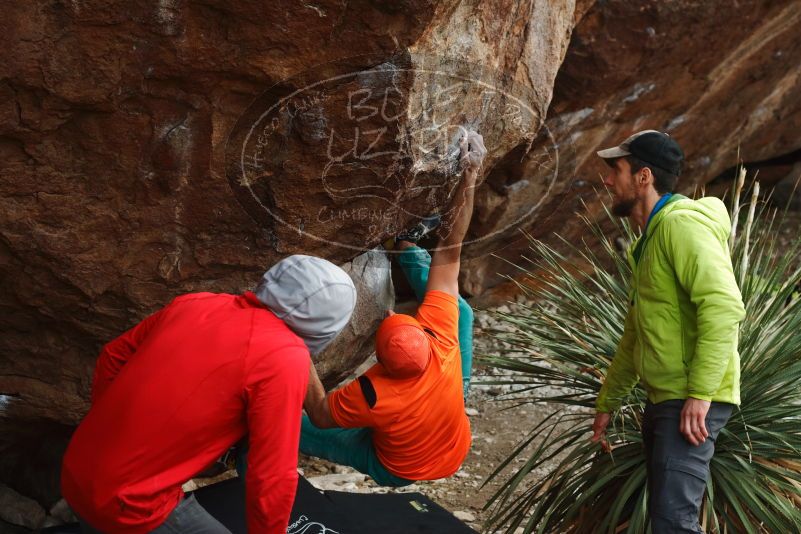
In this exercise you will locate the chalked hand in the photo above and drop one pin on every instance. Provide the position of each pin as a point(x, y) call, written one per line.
point(472, 151)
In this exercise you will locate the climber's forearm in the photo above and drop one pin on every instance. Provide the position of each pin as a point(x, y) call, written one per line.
point(445, 262)
point(444, 272)
point(457, 221)
point(316, 402)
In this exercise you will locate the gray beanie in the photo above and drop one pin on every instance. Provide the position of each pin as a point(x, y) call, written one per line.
point(314, 297)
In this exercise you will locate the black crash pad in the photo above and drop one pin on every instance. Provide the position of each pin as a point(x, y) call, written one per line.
point(330, 512)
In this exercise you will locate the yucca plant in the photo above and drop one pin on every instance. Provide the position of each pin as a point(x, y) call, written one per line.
point(560, 347)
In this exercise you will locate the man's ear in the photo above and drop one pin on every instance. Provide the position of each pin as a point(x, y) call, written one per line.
point(646, 176)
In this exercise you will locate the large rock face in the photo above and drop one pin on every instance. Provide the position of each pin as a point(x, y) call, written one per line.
point(132, 172)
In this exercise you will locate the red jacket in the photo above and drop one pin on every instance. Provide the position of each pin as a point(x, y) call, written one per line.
point(173, 394)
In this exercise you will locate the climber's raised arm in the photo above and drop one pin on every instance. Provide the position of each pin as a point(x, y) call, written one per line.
point(444, 273)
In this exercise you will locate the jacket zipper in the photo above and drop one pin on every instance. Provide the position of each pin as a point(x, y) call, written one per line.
point(637, 320)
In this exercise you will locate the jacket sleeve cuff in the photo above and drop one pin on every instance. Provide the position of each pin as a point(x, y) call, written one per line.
point(603, 405)
point(701, 396)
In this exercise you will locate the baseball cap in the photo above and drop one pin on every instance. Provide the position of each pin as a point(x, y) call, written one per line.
point(651, 146)
point(314, 297)
point(402, 346)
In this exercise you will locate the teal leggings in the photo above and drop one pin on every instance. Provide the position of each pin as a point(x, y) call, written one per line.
point(344, 446)
point(347, 446)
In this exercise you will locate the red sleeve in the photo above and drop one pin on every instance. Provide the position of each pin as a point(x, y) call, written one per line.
point(115, 354)
point(439, 312)
point(349, 408)
point(275, 389)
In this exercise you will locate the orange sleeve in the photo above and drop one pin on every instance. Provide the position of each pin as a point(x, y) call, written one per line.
point(349, 408)
point(439, 312)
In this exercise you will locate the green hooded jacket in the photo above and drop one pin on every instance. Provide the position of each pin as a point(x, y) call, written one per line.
point(681, 330)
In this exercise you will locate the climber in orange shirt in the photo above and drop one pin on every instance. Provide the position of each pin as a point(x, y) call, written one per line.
point(404, 419)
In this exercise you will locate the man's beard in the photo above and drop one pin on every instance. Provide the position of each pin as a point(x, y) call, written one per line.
point(624, 206)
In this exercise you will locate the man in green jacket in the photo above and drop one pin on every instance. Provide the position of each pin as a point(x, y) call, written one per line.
point(681, 330)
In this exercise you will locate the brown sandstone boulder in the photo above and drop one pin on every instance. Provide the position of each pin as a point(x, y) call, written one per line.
point(131, 172)
point(787, 193)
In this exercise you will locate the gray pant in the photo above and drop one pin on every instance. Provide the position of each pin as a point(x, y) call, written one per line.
point(186, 518)
point(677, 470)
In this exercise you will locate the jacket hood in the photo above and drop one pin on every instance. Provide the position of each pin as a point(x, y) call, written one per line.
point(314, 297)
point(710, 211)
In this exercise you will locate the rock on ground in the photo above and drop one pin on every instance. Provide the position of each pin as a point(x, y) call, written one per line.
point(20, 510)
point(375, 295)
